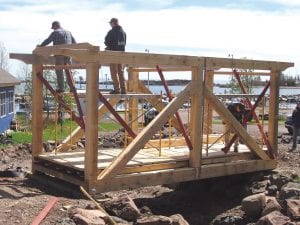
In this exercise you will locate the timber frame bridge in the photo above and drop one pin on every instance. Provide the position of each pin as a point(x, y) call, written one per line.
point(144, 161)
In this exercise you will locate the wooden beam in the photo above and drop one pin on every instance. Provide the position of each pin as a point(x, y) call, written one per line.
point(164, 69)
point(212, 63)
point(37, 111)
point(236, 126)
point(133, 82)
point(135, 180)
point(139, 142)
point(274, 110)
point(243, 73)
point(91, 132)
point(208, 112)
point(197, 118)
point(32, 59)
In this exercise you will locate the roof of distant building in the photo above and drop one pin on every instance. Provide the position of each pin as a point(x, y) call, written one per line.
point(6, 79)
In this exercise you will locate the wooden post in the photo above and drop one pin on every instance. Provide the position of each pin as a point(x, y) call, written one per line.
point(273, 110)
point(91, 132)
point(133, 82)
point(196, 118)
point(209, 82)
point(37, 111)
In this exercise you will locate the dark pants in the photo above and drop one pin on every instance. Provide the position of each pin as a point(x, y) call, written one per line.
point(117, 76)
point(296, 132)
point(61, 60)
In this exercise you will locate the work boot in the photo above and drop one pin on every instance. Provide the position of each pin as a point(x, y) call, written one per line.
point(236, 149)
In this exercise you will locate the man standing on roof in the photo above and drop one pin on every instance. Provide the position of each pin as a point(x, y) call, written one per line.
point(115, 40)
point(59, 36)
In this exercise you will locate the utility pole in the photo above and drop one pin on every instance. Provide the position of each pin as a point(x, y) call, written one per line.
point(147, 51)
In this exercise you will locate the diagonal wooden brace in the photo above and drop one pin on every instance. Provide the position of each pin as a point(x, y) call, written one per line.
point(116, 115)
point(252, 112)
point(183, 130)
point(73, 90)
point(78, 120)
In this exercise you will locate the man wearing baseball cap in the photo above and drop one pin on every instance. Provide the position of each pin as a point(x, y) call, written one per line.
point(59, 36)
point(115, 40)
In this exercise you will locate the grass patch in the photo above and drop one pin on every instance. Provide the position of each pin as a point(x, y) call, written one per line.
point(108, 126)
point(21, 137)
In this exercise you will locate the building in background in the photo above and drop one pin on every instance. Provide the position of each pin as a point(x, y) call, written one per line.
point(7, 97)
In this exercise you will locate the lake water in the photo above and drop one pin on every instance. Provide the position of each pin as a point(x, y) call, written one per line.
point(157, 89)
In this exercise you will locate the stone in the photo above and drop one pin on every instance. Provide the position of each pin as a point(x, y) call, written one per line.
point(271, 205)
point(272, 190)
point(290, 190)
point(259, 187)
point(119, 220)
point(279, 180)
point(228, 220)
point(293, 209)
point(254, 204)
point(146, 210)
point(153, 220)
point(178, 219)
point(123, 207)
point(88, 217)
point(274, 218)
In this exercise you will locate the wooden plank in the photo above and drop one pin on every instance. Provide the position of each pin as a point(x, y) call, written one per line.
point(32, 59)
point(274, 110)
point(236, 126)
point(146, 178)
point(37, 111)
point(172, 142)
point(150, 59)
point(197, 118)
point(61, 175)
point(78, 133)
point(138, 143)
point(164, 69)
point(133, 79)
point(254, 73)
point(212, 63)
point(91, 131)
point(183, 174)
point(208, 112)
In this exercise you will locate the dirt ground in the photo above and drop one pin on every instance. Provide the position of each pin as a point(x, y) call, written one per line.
point(22, 198)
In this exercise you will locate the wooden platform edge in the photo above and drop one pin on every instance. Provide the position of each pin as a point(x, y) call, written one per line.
point(183, 174)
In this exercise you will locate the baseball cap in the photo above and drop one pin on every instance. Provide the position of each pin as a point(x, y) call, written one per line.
point(113, 20)
point(55, 24)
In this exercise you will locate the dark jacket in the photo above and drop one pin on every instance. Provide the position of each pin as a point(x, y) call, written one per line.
point(59, 37)
point(232, 107)
point(296, 117)
point(115, 39)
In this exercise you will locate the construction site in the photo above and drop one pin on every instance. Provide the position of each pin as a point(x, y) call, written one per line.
point(147, 158)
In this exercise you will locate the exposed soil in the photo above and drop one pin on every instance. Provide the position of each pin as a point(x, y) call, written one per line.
point(22, 198)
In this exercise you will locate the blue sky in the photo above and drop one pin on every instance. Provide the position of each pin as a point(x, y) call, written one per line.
point(265, 29)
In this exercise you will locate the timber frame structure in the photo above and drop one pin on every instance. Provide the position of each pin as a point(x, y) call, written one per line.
point(136, 164)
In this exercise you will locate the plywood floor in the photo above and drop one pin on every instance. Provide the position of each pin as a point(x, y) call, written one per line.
point(150, 156)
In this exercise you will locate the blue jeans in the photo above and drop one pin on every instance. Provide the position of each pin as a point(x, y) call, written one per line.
point(296, 132)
